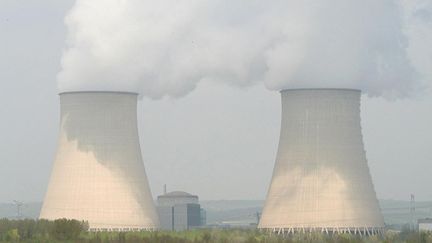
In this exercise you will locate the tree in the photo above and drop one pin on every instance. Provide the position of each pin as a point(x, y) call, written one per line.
point(64, 229)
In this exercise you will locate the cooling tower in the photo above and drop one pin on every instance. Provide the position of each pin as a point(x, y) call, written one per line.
point(321, 180)
point(98, 174)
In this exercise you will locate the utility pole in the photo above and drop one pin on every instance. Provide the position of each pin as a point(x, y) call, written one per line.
point(18, 205)
point(258, 217)
point(412, 212)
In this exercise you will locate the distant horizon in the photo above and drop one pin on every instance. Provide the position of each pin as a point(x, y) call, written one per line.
point(214, 200)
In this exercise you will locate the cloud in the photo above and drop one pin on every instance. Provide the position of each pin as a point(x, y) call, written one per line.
point(165, 48)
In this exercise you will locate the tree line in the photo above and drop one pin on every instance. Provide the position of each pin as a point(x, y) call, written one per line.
point(29, 230)
point(73, 231)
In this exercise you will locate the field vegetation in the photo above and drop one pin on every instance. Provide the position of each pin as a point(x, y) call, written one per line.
point(43, 231)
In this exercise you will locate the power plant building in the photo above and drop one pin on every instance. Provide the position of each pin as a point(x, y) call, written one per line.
point(321, 180)
point(98, 173)
point(425, 224)
point(180, 211)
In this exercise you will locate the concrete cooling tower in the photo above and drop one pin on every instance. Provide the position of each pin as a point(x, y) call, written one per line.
point(98, 174)
point(321, 180)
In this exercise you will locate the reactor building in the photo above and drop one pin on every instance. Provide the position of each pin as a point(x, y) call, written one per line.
point(180, 211)
point(321, 180)
point(98, 175)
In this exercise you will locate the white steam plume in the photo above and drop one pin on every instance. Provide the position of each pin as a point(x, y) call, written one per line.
point(418, 19)
point(164, 48)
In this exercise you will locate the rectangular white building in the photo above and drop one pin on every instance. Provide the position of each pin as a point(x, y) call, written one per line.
point(425, 224)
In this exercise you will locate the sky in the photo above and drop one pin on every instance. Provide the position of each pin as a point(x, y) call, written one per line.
point(218, 141)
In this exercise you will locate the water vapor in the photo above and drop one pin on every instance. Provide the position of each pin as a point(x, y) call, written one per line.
point(165, 48)
point(418, 27)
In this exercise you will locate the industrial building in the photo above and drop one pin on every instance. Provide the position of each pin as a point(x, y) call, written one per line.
point(321, 180)
point(180, 211)
point(425, 224)
point(98, 173)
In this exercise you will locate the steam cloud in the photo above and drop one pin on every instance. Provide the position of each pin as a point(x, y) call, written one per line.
point(166, 47)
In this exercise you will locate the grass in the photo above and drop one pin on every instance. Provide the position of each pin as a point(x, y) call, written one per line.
point(248, 236)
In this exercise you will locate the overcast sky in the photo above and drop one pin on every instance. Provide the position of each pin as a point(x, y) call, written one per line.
point(218, 142)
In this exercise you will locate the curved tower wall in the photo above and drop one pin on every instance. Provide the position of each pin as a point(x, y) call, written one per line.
point(98, 174)
point(321, 180)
